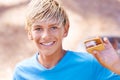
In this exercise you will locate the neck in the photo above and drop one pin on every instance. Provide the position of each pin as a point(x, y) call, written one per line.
point(51, 60)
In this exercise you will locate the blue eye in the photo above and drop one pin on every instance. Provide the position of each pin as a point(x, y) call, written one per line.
point(38, 29)
point(53, 28)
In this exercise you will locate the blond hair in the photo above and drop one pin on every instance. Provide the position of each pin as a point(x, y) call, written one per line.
point(45, 10)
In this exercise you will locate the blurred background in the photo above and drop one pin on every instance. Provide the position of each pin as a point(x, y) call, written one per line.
point(87, 18)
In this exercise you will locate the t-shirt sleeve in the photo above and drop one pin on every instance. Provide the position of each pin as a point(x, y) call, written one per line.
point(102, 73)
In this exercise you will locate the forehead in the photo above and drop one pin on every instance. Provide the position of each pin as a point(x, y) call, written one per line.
point(45, 22)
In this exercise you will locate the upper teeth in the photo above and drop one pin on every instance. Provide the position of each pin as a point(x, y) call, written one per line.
point(47, 43)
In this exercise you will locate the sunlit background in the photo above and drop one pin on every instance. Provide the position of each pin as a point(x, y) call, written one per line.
point(87, 18)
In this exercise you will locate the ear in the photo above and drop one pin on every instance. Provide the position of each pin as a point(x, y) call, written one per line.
point(66, 27)
point(30, 36)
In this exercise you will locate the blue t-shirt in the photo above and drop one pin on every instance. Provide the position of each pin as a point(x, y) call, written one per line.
point(73, 66)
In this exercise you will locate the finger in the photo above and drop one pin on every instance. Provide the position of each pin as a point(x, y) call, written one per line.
point(96, 54)
point(107, 42)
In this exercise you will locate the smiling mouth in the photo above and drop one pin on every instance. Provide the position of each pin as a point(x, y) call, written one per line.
point(47, 43)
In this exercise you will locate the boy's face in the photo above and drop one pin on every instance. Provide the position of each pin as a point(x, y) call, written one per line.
point(48, 36)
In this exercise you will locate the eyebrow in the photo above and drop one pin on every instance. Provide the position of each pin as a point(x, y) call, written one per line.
point(53, 24)
point(36, 25)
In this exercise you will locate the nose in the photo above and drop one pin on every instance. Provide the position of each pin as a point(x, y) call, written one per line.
point(45, 35)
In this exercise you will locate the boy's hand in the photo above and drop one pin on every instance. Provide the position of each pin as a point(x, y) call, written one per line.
point(108, 57)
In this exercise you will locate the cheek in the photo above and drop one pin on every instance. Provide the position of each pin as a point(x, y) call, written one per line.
point(35, 36)
point(59, 34)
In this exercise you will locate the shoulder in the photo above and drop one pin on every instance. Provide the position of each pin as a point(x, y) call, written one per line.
point(81, 54)
point(25, 67)
point(26, 63)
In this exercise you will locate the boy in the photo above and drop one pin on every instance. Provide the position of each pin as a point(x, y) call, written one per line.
point(47, 25)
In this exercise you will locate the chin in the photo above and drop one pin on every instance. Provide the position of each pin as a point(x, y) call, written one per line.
point(46, 53)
